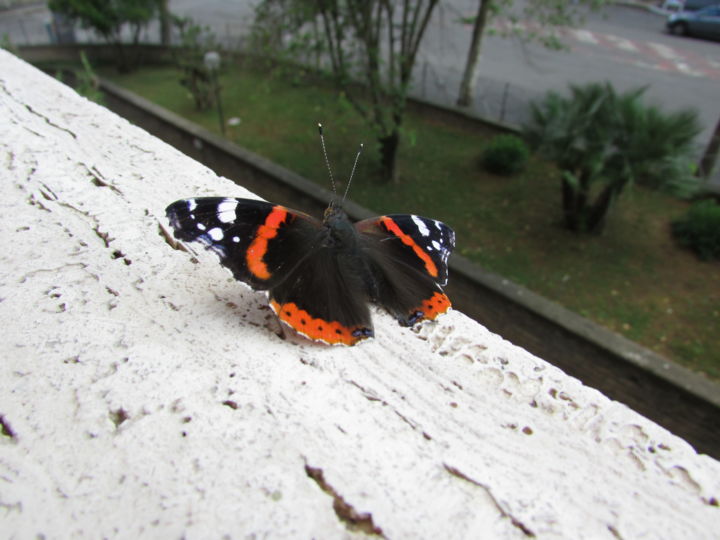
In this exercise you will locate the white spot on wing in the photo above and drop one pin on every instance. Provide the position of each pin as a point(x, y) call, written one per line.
point(226, 211)
point(436, 244)
point(192, 204)
point(201, 226)
point(235, 239)
point(420, 224)
point(216, 234)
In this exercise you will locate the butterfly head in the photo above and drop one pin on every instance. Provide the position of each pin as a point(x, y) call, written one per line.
point(334, 213)
point(339, 229)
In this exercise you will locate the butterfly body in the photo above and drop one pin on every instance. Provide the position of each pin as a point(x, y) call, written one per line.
point(321, 275)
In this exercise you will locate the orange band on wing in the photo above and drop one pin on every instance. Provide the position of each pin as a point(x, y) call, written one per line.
point(391, 226)
point(436, 305)
point(332, 333)
point(258, 248)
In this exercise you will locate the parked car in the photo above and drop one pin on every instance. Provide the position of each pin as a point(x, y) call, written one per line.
point(701, 23)
point(694, 5)
point(672, 6)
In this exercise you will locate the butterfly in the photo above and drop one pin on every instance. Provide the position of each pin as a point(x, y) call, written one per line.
point(320, 276)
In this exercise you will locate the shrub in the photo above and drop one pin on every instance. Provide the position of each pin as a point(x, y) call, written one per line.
point(604, 141)
point(506, 155)
point(699, 230)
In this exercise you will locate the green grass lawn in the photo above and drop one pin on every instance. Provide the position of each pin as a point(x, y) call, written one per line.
point(631, 279)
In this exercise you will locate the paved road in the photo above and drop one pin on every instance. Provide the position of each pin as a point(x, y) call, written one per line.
point(626, 46)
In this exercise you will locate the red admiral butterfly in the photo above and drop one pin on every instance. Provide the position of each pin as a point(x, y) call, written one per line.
point(320, 276)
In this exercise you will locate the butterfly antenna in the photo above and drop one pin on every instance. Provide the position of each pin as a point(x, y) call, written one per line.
point(352, 173)
point(327, 161)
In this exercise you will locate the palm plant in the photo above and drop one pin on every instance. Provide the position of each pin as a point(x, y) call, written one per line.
point(603, 142)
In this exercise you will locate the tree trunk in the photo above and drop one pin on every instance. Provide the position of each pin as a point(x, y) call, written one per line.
point(388, 153)
point(165, 24)
point(122, 59)
point(136, 53)
point(709, 158)
point(467, 86)
point(598, 212)
point(576, 212)
point(579, 215)
point(568, 205)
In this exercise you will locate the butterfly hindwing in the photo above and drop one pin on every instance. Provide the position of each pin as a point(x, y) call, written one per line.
point(408, 256)
point(325, 298)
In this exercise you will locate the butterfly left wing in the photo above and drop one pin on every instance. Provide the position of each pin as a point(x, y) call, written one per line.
point(259, 242)
point(311, 288)
point(408, 257)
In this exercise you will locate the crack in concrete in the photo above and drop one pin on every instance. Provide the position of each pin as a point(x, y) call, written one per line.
point(503, 512)
point(49, 122)
point(354, 521)
point(6, 429)
point(98, 179)
point(170, 239)
point(51, 270)
point(370, 395)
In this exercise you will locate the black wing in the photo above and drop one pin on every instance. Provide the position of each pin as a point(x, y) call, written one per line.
point(260, 242)
point(408, 258)
point(325, 299)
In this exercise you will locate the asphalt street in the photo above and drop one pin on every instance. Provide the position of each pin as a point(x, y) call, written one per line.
point(626, 46)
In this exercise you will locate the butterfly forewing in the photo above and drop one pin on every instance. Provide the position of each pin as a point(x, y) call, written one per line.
point(258, 241)
point(431, 241)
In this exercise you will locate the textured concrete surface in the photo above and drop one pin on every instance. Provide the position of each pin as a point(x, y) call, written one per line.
point(144, 393)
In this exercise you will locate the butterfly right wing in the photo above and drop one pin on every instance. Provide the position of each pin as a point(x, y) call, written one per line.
point(259, 242)
point(408, 256)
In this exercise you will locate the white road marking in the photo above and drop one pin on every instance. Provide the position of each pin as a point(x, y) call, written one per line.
point(584, 35)
point(622, 43)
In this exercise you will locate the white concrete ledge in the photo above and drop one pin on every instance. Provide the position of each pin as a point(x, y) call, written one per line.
point(145, 395)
